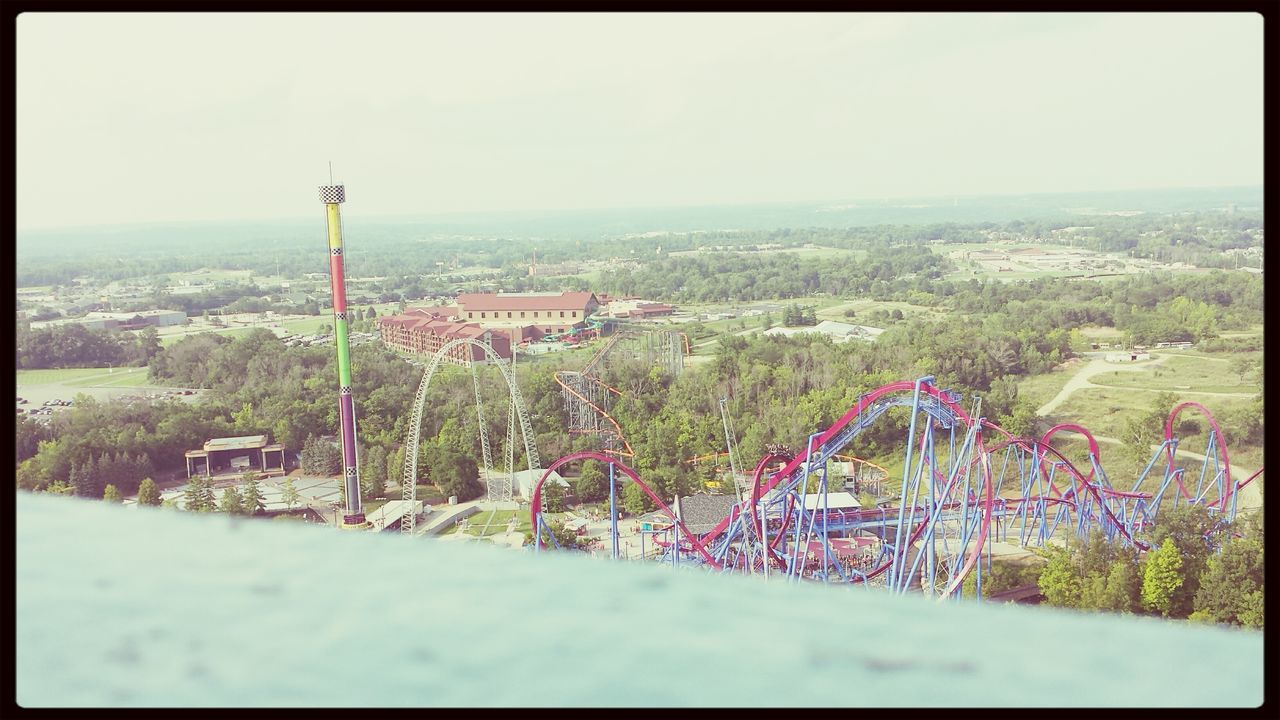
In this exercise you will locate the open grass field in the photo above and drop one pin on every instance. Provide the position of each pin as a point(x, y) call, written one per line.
point(61, 376)
point(167, 340)
point(120, 377)
point(1181, 373)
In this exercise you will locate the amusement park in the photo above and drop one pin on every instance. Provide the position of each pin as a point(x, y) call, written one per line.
point(968, 491)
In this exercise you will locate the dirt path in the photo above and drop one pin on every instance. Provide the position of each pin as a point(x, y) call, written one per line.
point(1081, 379)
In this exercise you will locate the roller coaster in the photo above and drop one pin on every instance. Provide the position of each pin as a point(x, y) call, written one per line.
point(967, 485)
point(587, 398)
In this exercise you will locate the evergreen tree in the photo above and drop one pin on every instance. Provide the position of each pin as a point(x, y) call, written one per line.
point(148, 493)
point(231, 502)
point(208, 502)
point(1161, 577)
point(289, 493)
point(83, 482)
point(192, 499)
point(111, 495)
point(251, 498)
point(320, 457)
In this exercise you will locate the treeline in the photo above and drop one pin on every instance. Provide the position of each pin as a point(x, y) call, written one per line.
point(74, 345)
point(1197, 569)
point(258, 386)
point(720, 277)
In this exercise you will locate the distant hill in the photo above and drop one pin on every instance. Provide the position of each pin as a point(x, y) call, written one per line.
point(158, 239)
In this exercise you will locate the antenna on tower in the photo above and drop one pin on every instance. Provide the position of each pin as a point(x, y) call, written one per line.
point(330, 172)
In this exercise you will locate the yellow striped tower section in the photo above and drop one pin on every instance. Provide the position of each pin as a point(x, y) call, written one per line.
point(353, 519)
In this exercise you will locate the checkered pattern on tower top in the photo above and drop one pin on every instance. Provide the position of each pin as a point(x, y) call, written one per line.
point(332, 194)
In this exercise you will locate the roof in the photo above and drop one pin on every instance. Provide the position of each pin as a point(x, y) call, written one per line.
point(835, 500)
point(391, 512)
point(477, 302)
point(434, 324)
point(244, 442)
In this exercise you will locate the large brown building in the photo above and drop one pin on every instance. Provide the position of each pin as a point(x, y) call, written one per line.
point(546, 312)
point(424, 332)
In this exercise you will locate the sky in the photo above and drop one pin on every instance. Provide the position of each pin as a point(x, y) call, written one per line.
point(164, 117)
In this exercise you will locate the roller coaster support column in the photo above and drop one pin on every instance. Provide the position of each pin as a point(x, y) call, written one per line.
point(332, 196)
point(613, 510)
point(898, 568)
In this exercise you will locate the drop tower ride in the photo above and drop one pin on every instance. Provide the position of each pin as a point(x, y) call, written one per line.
point(353, 519)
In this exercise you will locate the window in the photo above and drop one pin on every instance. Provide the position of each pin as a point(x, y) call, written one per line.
point(535, 313)
point(561, 313)
point(508, 313)
point(521, 313)
point(471, 315)
point(481, 316)
point(575, 314)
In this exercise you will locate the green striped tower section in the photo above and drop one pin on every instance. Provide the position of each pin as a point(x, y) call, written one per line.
point(332, 196)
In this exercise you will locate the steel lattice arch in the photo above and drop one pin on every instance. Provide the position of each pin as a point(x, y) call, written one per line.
point(499, 485)
point(966, 484)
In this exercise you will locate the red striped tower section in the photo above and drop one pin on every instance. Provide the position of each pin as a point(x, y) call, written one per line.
point(332, 196)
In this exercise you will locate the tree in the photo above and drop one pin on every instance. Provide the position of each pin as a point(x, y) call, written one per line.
point(320, 457)
point(553, 497)
point(373, 472)
point(198, 497)
point(112, 495)
point(251, 498)
point(231, 502)
point(1161, 577)
point(1192, 529)
point(451, 470)
point(289, 493)
point(84, 482)
point(1058, 580)
point(1123, 592)
point(591, 485)
point(148, 493)
point(564, 537)
point(635, 501)
point(1229, 585)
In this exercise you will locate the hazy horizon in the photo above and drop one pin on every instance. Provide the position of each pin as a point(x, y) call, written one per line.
point(357, 217)
point(149, 120)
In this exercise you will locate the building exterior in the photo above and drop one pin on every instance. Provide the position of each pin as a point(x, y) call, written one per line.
point(133, 321)
point(424, 332)
point(639, 309)
point(547, 312)
point(237, 455)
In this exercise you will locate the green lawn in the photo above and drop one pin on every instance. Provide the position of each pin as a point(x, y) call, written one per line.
point(168, 340)
point(70, 376)
point(126, 377)
point(1182, 373)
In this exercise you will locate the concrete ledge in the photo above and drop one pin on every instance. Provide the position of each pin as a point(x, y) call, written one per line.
point(443, 516)
point(155, 608)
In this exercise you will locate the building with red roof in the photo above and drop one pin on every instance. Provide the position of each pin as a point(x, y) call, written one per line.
point(424, 332)
point(546, 312)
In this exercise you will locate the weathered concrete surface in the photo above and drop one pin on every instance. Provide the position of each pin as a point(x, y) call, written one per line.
point(120, 607)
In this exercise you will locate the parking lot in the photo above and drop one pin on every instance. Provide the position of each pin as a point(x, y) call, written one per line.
point(58, 395)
